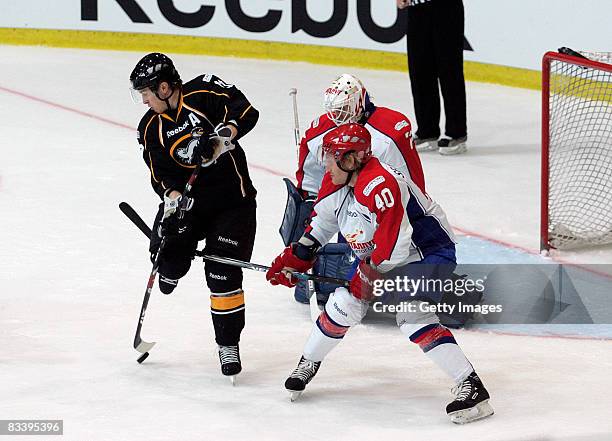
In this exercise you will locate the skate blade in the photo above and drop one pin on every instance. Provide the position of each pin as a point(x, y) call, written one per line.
point(456, 150)
point(232, 379)
point(478, 412)
point(428, 146)
point(294, 395)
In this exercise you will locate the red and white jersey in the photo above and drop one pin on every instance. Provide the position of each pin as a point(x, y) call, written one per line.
point(385, 216)
point(391, 143)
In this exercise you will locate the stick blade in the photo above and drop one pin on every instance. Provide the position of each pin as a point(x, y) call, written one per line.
point(144, 346)
point(131, 214)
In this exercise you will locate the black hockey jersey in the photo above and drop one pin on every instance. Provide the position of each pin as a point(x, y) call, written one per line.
point(168, 142)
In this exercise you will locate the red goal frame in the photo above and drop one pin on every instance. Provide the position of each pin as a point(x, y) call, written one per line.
point(547, 59)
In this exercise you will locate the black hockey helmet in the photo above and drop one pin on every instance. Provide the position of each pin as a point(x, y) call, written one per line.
point(153, 69)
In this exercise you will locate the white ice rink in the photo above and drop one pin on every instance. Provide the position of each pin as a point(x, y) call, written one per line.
point(73, 272)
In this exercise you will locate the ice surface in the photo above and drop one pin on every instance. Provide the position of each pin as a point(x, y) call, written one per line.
point(73, 272)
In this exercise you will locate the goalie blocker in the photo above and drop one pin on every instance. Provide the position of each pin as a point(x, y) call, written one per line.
point(297, 213)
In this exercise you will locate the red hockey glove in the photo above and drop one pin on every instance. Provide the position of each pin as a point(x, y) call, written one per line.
point(362, 283)
point(287, 260)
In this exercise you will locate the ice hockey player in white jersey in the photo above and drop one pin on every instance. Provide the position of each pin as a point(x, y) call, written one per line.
point(346, 100)
point(393, 228)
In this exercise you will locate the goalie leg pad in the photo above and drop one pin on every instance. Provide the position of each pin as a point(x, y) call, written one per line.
point(301, 293)
point(333, 260)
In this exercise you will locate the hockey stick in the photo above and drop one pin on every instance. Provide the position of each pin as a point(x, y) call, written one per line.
point(135, 218)
point(142, 226)
point(264, 269)
point(296, 121)
point(312, 295)
point(139, 344)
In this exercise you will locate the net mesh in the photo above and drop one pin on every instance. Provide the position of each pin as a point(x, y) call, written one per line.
point(602, 57)
point(580, 154)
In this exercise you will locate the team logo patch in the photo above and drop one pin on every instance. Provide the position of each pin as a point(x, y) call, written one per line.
point(197, 132)
point(400, 125)
point(353, 237)
point(372, 185)
point(362, 248)
point(185, 154)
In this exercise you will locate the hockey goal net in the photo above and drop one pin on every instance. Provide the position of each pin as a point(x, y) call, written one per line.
point(576, 208)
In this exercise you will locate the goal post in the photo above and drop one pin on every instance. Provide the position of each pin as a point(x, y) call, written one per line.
point(576, 187)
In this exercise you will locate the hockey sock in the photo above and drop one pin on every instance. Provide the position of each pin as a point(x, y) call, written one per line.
point(325, 336)
point(438, 343)
point(228, 316)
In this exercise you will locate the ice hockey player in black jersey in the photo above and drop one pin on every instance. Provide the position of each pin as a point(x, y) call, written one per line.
point(202, 121)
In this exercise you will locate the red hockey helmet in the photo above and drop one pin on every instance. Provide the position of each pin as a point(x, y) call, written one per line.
point(348, 138)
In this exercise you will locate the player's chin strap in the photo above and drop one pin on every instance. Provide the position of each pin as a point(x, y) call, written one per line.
point(349, 176)
point(166, 100)
point(348, 171)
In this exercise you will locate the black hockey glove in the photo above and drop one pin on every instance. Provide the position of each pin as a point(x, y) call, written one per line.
point(203, 152)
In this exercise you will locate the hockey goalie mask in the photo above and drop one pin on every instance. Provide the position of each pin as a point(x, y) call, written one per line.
point(344, 100)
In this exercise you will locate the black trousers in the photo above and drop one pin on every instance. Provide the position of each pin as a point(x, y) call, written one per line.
point(229, 232)
point(435, 56)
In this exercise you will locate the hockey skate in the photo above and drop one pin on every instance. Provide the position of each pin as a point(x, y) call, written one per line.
point(425, 144)
point(471, 402)
point(301, 376)
point(455, 146)
point(229, 356)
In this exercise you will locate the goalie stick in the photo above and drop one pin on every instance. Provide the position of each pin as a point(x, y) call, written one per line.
point(312, 294)
point(142, 226)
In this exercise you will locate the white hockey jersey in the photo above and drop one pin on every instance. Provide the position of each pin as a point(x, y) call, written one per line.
point(385, 217)
point(391, 143)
